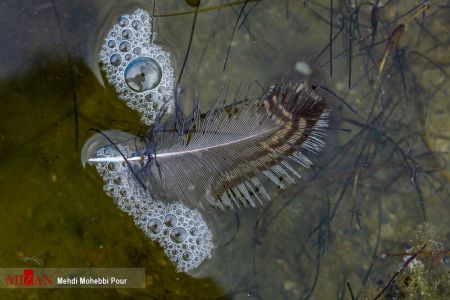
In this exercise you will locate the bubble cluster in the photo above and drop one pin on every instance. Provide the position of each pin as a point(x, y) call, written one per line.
point(185, 238)
point(181, 231)
point(140, 70)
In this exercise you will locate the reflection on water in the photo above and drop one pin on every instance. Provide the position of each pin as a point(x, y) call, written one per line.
point(135, 65)
point(382, 175)
point(143, 74)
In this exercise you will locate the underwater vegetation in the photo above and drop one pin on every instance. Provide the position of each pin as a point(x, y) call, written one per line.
point(346, 230)
point(422, 273)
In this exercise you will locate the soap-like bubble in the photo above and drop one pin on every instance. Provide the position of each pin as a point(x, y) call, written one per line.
point(109, 190)
point(100, 146)
point(143, 74)
point(127, 34)
point(154, 226)
point(137, 51)
point(123, 21)
point(127, 49)
point(115, 59)
point(111, 43)
point(170, 220)
point(125, 46)
point(187, 256)
point(178, 235)
point(111, 166)
point(125, 192)
point(136, 24)
point(193, 231)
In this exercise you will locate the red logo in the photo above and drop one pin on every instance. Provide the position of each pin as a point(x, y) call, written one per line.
point(28, 278)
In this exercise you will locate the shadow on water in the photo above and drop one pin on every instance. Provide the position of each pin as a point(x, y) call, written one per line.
point(383, 173)
point(54, 212)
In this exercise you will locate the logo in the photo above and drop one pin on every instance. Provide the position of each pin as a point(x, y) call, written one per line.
point(50, 278)
point(29, 279)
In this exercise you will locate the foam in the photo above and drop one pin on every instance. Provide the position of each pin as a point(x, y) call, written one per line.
point(181, 231)
point(128, 52)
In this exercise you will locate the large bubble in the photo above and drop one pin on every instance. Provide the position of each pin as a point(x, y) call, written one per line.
point(101, 144)
point(143, 74)
point(137, 67)
point(178, 235)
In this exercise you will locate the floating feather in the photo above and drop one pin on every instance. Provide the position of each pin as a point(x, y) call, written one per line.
point(223, 158)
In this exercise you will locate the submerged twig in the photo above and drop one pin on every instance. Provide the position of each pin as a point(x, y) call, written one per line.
point(232, 35)
point(205, 9)
point(71, 73)
point(403, 267)
point(194, 22)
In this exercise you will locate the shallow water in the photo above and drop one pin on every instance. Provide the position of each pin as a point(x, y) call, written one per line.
point(376, 181)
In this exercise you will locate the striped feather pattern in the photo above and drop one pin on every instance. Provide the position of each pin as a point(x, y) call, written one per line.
point(222, 159)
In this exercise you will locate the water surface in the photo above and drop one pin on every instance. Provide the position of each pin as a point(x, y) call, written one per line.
point(376, 181)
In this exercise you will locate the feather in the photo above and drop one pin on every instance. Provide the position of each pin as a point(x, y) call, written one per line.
point(222, 159)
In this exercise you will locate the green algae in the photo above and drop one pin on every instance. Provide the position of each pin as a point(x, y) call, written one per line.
point(55, 213)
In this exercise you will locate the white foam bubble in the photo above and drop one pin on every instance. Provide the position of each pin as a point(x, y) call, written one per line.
point(181, 231)
point(140, 70)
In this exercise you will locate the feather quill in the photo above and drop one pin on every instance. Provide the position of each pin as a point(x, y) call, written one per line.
point(221, 160)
